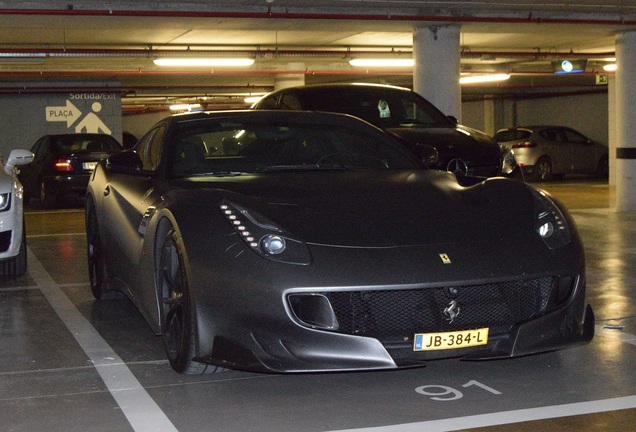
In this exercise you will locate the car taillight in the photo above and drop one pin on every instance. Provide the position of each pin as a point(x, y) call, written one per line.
point(524, 144)
point(63, 165)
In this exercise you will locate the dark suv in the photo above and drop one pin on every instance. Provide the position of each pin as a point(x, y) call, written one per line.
point(402, 113)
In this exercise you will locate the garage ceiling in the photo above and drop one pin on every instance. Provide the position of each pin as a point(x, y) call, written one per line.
point(62, 42)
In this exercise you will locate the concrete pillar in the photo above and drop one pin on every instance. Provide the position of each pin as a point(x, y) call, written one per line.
point(436, 52)
point(297, 78)
point(489, 117)
point(611, 127)
point(625, 122)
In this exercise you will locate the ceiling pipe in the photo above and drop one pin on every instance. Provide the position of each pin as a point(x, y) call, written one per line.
point(340, 53)
point(526, 18)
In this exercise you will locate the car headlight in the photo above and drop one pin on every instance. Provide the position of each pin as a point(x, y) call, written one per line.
point(264, 237)
point(5, 201)
point(550, 224)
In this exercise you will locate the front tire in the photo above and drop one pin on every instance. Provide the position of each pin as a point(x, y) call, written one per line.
point(176, 306)
point(17, 265)
point(602, 169)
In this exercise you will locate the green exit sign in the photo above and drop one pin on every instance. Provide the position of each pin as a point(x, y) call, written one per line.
point(601, 79)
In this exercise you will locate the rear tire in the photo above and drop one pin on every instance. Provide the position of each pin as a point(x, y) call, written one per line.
point(542, 170)
point(48, 199)
point(95, 252)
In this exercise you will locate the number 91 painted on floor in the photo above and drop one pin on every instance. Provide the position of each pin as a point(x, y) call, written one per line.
point(445, 393)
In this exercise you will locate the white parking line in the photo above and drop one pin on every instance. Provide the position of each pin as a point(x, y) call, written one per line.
point(508, 417)
point(140, 409)
point(617, 334)
point(523, 415)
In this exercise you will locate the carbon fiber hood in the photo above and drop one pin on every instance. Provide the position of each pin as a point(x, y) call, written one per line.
point(387, 209)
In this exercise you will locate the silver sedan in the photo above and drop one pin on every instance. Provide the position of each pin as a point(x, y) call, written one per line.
point(550, 152)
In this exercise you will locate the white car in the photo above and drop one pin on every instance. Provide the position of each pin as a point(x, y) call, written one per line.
point(13, 259)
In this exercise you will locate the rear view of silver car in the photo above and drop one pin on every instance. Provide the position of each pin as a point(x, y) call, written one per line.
point(550, 152)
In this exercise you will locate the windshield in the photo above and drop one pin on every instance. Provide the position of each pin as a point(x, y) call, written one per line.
point(230, 149)
point(385, 109)
point(84, 143)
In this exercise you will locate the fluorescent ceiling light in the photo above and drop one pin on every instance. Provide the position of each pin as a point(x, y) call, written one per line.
point(395, 62)
point(610, 67)
point(203, 62)
point(472, 79)
point(253, 99)
point(185, 107)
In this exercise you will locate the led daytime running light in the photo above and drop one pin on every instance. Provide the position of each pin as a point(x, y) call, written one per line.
point(264, 237)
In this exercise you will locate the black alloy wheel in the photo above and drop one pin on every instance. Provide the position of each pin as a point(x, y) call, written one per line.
point(176, 315)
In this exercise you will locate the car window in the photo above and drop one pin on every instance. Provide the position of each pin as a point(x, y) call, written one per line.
point(382, 108)
point(83, 143)
point(512, 135)
point(268, 103)
point(255, 147)
point(290, 102)
point(416, 113)
point(550, 135)
point(39, 148)
point(574, 137)
point(149, 148)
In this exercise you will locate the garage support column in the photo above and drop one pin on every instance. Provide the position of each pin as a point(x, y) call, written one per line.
point(296, 77)
point(436, 52)
point(625, 123)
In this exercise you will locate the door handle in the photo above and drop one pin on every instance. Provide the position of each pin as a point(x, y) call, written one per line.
point(107, 191)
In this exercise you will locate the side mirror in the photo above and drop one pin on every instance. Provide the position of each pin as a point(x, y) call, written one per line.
point(127, 161)
point(18, 157)
point(427, 154)
point(453, 119)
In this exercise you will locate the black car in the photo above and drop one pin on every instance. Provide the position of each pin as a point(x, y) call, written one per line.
point(299, 241)
point(403, 113)
point(63, 164)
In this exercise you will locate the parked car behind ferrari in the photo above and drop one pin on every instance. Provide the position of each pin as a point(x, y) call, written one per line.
point(13, 254)
point(62, 165)
point(291, 241)
point(403, 113)
point(550, 152)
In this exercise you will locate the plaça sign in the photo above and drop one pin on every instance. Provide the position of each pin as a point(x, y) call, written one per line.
point(85, 112)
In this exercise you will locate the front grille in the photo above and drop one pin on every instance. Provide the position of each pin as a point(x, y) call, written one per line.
point(394, 316)
point(484, 171)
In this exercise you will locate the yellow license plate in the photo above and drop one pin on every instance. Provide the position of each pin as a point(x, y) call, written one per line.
point(450, 340)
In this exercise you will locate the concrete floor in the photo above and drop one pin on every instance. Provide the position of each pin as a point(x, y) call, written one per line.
point(68, 363)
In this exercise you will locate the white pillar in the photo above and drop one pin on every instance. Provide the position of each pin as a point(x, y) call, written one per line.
point(296, 78)
point(625, 122)
point(611, 127)
point(489, 117)
point(436, 52)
